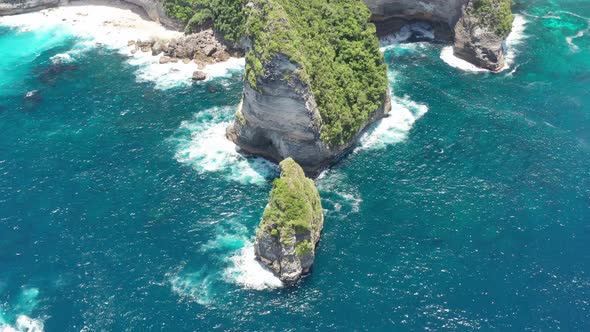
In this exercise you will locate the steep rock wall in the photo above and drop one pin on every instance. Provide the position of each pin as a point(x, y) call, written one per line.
point(291, 225)
point(279, 119)
point(453, 20)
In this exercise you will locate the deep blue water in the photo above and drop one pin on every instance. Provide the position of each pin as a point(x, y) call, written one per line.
point(122, 207)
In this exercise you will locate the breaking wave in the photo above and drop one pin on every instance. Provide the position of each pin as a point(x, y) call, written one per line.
point(18, 319)
point(201, 143)
point(234, 262)
point(246, 271)
point(418, 31)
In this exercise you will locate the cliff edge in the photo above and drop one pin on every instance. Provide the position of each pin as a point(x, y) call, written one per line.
point(291, 224)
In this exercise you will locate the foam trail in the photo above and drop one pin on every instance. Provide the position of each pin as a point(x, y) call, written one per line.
point(514, 39)
point(201, 143)
point(195, 286)
point(337, 196)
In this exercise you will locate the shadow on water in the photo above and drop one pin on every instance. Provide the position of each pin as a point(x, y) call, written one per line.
point(49, 75)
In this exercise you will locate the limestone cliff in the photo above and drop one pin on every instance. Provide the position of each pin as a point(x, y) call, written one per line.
point(481, 31)
point(291, 225)
point(478, 28)
point(313, 83)
point(280, 118)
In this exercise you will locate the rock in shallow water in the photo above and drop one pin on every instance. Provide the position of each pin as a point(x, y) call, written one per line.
point(291, 224)
point(199, 76)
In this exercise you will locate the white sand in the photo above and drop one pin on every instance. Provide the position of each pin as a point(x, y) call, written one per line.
point(111, 24)
point(108, 22)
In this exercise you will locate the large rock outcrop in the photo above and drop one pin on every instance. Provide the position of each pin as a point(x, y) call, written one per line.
point(481, 31)
point(309, 92)
point(280, 118)
point(291, 224)
point(478, 28)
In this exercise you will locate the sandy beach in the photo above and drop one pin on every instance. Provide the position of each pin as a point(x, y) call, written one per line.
point(112, 24)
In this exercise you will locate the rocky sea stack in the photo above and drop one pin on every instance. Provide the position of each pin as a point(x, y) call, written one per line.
point(291, 224)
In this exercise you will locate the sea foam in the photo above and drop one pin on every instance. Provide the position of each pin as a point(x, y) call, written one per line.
point(25, 304)
point(112, 27)
point(202, 143)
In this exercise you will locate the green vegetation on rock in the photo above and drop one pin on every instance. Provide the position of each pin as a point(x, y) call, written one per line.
point(225, 16)
point(303, 248)
point(294, 206)
point(495, 14)
point(336, 50)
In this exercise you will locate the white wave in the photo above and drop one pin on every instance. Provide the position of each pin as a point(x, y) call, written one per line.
point(112, 26)
point(25, 303)
point(24, 323)
point(419, 29)
point(170, 75)
point(449, 58)
point(246, 271)
point(514, 39)
point(203, 145)
point(62, 58)
point(394, 128)
point(225, 69)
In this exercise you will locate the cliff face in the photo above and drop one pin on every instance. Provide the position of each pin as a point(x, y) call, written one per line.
point(476, 38)
point(291, 224)
point(280, 118)
point(447, 11)
point(481, 31)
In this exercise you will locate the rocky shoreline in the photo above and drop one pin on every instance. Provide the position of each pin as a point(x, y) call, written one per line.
point(203, 48)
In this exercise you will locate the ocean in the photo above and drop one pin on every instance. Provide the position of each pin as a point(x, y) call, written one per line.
point(124, 208)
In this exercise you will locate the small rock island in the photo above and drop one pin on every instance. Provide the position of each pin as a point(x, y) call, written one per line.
point(290, 228)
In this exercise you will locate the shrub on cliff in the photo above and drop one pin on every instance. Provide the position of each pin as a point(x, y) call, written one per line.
point(294, 204)
point(496, 14)
point(225, 16)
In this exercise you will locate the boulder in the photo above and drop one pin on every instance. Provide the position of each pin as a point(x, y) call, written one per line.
point(199, 76)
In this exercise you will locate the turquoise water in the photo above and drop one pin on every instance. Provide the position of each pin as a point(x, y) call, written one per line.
point(123, 208)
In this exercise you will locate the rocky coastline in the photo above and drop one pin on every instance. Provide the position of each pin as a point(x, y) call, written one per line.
point(203, 48)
